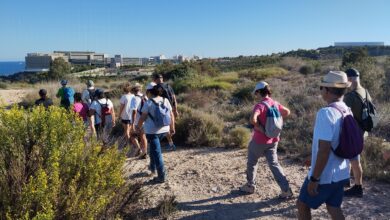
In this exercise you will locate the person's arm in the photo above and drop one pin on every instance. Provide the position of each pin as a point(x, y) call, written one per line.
point(174, 106)
point(91, 117)
point(113, 116)
point(255, 123)
point(59, 93)
point(133, 115)
point(324, 148)
point(172, 125)
point(141, 120)
point(284, 111)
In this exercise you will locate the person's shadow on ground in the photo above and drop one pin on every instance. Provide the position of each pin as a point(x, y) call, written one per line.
point(247, 210)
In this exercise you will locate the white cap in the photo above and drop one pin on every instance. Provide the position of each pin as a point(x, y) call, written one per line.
point(150, 85)
point(260, 85)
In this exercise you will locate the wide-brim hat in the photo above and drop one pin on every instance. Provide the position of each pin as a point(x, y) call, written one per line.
point(335, 79)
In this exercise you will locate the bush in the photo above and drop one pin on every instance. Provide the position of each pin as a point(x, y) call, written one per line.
point(3, 85)
point(230, 77)
point(374, 162)
point(244, 93)
point(238, 137)
point(195, 128)
point(195, 82)
point(263, 73)
point(306, 70)
point(48, 171)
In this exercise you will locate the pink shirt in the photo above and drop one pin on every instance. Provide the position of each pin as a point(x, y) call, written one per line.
point(81, 109)
point(259, 137)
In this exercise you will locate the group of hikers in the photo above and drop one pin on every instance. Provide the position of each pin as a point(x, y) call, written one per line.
point(338, 137)
point(147, 119)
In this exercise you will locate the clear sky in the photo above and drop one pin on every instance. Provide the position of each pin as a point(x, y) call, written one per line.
point(208, 28)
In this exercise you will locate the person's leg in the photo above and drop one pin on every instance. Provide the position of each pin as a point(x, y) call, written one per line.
point(144, 142)
point(152, 165)
point(155, 149)
point(304, 212)
point(254, 153)
point(335, 212)
point(171, 145)
point(276, 169)
point(357, 189)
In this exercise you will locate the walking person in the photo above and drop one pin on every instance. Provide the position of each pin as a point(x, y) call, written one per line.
point(80, 108)
point(102, 116)
point(139, 100)
point(125, 113)
point(263, 145)
point(328, 172)
point(354, 100)
point(44, 100)
point(65, 93)
point(168, 93)
point(158, 117)
point(88, 94)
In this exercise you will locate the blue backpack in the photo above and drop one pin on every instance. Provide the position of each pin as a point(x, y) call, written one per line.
point(274, 122)
point(68, 98)
point(162, 115)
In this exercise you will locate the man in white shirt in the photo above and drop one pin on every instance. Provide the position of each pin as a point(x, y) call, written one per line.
point(328, 172)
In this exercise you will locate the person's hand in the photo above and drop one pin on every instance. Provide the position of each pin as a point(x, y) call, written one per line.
point(312, 188)
point(176, 114)
point(259, 128)
point(172, 131)
point(113, 123)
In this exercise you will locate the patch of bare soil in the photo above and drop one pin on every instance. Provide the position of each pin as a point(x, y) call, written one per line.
point(12, 96)
point(205, 182)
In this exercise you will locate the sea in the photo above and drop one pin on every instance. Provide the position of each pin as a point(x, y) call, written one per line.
point(11, 67)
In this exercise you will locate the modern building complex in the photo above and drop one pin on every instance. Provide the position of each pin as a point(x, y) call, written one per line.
point(358, 44)
point(39, 62)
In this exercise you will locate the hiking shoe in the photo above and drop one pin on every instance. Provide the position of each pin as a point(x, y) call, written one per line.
point(157, 180)
point(142, 156)
point(286, 195)
point(354, 191)
point(171, 147)
point(247, 189)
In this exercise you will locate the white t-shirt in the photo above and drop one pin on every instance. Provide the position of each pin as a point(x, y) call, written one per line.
point(327, 127)
point(129, 105)
point(137, 103)
point(96, 105)
point(149, 107)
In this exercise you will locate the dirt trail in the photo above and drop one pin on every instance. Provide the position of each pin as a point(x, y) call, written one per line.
point(205, 183)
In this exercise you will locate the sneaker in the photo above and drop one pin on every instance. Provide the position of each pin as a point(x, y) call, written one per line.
point(142, 156)
point(354, 191)
point(286, 195)
point(157, 180)
point(171, 147)
point(247, 189)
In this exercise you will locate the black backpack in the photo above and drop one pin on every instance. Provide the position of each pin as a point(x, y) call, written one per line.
point(167, 92)
point(369, 115)
point(92, 94)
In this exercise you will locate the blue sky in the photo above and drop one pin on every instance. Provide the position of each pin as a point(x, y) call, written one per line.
point(209, 28)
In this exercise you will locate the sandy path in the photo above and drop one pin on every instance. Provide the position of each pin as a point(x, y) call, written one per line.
point(205, 183)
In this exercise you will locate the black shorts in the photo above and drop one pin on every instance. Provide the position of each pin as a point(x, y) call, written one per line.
point(126, 122)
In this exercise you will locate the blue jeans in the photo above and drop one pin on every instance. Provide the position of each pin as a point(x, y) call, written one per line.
point(156, 159)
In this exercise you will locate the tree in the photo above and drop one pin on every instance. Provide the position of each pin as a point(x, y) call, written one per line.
point(59, 68)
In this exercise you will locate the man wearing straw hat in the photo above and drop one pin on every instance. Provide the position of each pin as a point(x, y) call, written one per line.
point(328, 173)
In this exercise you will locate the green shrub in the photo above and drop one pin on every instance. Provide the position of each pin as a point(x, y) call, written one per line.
point(3, 85)
point(244, 93)
point(238, 137)
point(306, 70)
point(263, 73)
point(196, 128)
point(373, 162)
point(230, 77)
point(217, 85)
point(47, 169)
point(195, 82)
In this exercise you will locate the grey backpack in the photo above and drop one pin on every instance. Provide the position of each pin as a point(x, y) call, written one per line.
point(274, 121)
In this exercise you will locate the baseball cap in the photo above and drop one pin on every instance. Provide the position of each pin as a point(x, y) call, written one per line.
point(150, 85)
point(64, 82)
point(352, 72)
point(90, 83)
point(260, 85)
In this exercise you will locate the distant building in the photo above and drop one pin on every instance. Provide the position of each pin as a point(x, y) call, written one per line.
point(85, 57)
point(132, 61)
point(40, 62)
point(358, 44)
